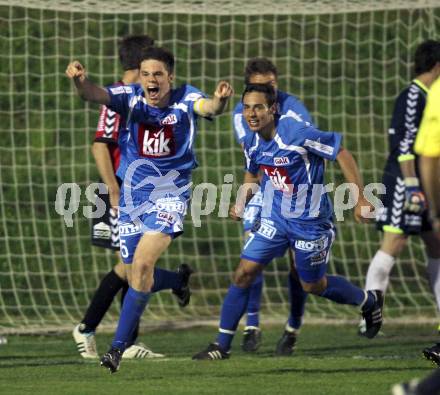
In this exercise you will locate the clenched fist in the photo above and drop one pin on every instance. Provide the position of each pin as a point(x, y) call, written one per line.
point(223, 90)
point(76, 70)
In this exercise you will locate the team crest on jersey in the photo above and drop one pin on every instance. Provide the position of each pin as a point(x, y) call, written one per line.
point(281, 160)
point(156, 141)
point(278, 177)
point(170, 119)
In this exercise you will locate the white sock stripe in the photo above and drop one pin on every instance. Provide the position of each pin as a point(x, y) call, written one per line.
point(365, 299)
point(251, 327)
point(291, 329)
point(253, 313)
point(227, 331)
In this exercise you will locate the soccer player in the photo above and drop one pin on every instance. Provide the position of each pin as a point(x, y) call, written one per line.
point(404, 211)
point(105, 232)
point(296, 213)
point(161, 127)
point(263, 71)
point(428, 147)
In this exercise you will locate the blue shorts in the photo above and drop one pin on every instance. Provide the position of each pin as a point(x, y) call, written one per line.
point(311, 244)
point(252, 212)
point(165, 216)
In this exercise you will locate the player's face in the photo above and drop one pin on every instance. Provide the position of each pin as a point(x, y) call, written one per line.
point(258, 114)
point(156, 82)
point(268, 78)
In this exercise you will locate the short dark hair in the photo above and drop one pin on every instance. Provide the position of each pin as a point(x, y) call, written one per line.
point(259, 66)
point(130, 48)
point(267, 89)
point(160, 54)
point(427, 55)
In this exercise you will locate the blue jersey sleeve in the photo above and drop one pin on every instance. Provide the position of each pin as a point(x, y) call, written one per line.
point(291, 106)
point(120, 97)
point(251, 166)
point(324, 144)
point(191, 95)
point(239, 124)
point(299, 109)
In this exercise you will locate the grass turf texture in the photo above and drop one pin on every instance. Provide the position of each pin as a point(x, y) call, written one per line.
point(329, 360)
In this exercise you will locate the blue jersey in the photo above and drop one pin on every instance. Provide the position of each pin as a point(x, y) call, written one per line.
point(156, 140)
point(292, 164)
point(286, 105)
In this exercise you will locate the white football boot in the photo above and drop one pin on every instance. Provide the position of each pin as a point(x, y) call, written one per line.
point(85, 342)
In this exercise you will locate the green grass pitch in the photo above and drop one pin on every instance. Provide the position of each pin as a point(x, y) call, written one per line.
point(330, 360)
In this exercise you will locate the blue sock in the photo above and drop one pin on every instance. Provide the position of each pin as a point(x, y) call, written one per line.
point(340, 290)
point(166, 279)
point(233, 308)
point(132, 309)
point(253, 306)
point(297, 298)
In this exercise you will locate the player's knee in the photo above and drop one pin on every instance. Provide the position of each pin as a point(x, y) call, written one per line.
point(316, 288)
point(142, 275)
point(142, 266)
point(244, 277)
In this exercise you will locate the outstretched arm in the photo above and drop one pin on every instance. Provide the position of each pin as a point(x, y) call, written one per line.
point(216, 105)
point(104, 164)
point(87, 90)
point(352, 175)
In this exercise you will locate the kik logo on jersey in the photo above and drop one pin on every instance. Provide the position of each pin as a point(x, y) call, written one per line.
point(278, 177)
point(156, 141)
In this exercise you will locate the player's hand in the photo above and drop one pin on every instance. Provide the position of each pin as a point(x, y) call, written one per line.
point(76, 70)
point(223, 90)
point(114, 198)
point(362, 209)
point(415, 201)
point(236, 212)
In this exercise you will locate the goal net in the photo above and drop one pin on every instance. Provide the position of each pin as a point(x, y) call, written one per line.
point(347, 60)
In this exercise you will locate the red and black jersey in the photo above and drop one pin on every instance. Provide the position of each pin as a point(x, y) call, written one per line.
point(107, 131)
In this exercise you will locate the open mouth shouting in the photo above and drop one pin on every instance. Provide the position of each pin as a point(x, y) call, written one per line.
point(153, 92)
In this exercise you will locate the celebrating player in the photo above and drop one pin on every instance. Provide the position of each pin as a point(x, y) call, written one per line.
point(161, 124)
point(404, 211)
point(105, 232)
point(263, 71)
point(291, 155)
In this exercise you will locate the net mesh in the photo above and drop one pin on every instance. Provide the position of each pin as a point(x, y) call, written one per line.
point(227, 7)
point(346, 66)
